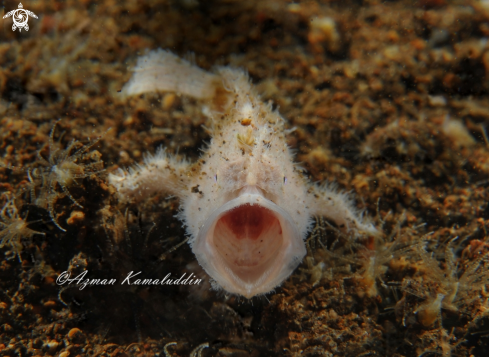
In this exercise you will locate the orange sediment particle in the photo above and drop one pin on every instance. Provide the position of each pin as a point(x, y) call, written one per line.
point(430, 311)
point(76, 216)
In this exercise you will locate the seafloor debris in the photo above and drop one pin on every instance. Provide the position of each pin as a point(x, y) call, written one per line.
point(368, 99)
point(323, 32)
point(13, 228)
point(62, 167)
point(456, 288)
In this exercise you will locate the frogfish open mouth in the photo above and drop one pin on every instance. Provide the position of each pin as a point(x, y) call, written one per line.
point(245, 242)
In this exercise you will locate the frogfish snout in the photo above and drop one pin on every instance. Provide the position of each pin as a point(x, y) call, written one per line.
point(249, 245)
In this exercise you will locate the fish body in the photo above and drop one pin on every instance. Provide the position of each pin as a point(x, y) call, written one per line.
point(246, 205)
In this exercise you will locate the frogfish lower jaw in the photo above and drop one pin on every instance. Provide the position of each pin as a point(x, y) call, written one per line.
point(249, 245)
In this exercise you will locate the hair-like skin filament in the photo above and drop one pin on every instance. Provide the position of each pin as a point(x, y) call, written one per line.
point(246, 204)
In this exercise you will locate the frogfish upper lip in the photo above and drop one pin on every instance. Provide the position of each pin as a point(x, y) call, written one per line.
point(249, 245)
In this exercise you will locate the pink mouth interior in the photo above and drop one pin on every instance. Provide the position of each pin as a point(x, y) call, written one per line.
point(248, 238)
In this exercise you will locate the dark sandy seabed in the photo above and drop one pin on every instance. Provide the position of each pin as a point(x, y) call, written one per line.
point(388, 100)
